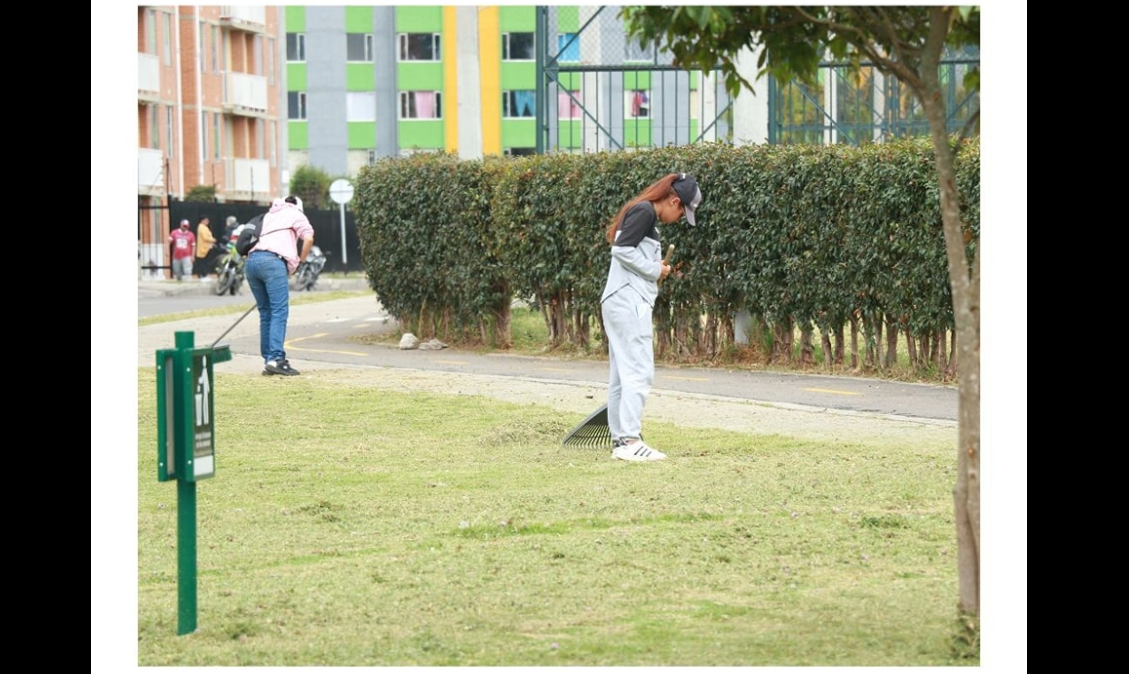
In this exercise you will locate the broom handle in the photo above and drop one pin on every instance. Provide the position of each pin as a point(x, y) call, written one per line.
point(249, 310)
point(666, 260)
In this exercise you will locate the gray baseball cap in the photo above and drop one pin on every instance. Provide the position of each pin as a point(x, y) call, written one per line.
point(687, 190)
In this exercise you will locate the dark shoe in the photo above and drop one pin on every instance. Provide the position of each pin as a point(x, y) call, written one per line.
point(279, 367)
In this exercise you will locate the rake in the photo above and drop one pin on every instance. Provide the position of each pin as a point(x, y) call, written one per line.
point(593, 431)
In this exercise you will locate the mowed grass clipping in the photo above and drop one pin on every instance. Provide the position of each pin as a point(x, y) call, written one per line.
point(351, 526)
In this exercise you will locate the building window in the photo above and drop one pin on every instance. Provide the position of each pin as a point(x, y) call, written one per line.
point(358, 47)
point(633, 52)
point(638, 103)
point(421, 105)
point(204, 134)
point(270, 62)
point(151, 32)
point(420, 47)
point(215, 49)
point(568, 106)
point(360, 106)
point(409, 151)
point(166, 55)
point(372, 156)
point(260, 138)
point(154, 128)
point(216, 135)
point(257, 55)
point(273, 144)
point(296, 47)
point(519, 151)
point(521, 103)
point(296, 105)
point(168, 131)
point(568, 47)
point(517, 46)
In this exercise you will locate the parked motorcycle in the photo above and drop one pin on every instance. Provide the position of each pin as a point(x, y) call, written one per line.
point(229, 271)
point(306, 276)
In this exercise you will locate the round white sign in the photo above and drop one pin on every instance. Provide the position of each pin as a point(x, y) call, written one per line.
point(341, 191)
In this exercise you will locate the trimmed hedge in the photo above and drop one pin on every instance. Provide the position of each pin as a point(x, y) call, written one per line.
point(793, 237)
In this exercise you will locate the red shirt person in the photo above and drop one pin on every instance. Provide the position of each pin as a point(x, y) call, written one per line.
point(183, 250)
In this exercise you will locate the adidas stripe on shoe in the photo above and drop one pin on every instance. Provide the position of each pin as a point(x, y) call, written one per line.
point(637, 451)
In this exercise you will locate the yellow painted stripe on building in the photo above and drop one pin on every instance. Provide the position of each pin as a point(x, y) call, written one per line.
point(450, 80)
point(490, 62)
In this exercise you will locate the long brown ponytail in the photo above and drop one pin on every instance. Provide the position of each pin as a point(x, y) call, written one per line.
point(657, 190)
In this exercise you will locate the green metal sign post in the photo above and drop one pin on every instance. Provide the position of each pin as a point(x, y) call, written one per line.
point(186, 448)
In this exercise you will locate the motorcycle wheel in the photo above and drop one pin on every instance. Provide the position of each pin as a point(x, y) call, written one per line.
point(225, 281)
point(302, 279)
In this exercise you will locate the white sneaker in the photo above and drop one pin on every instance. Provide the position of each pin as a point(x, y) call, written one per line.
point(637, 451)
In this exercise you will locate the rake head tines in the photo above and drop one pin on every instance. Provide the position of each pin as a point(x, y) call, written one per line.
point(592, 432)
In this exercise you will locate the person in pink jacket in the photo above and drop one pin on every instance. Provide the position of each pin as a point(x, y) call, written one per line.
point(268, 267)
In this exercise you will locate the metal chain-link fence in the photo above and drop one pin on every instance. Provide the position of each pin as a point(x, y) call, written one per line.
point(605, 91)
point(602, 90)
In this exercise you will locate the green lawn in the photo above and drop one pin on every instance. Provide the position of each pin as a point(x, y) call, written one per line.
point(351, 526)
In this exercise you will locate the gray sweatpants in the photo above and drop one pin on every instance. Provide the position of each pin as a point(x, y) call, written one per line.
point(631, 359)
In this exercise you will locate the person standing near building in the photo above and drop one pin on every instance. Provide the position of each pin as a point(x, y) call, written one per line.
point(205, 243)
point(268, 268)
point(628, 300)
point(183, 250)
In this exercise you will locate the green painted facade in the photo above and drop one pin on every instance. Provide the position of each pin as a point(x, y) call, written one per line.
point(421, 133)
point(299, 134)
point(296, 77)
point(361, 134)
point(419, 19)
point(359, 76)
point(295, 19)
point(358, 19)
point(515, 76)
point(420, 76)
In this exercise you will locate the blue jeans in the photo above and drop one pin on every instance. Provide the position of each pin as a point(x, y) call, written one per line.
point(269, 280)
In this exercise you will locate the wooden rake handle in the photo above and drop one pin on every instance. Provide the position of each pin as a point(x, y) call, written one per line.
point(666, 260)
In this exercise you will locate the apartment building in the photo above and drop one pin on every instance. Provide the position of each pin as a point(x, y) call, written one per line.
point(210, 96)
point(365, 82)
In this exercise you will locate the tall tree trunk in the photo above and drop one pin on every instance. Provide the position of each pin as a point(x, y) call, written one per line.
point(951, 365)
point(663, 328)
point(854, 342)
point(782, 341)
point(891, 341)
point(871, 335)
point(807, 350)
point(840, 345)
point(911, 347)
point(502, 329)
point(708, 341)
point(878, 350)
point(964, 281)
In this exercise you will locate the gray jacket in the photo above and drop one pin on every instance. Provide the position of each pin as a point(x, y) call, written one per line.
point(636, 255)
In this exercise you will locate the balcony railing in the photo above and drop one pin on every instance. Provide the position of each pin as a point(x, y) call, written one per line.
point(148, 76)
point(244, 17)
point(247, 179)
point(245, 93)
point(150, 171)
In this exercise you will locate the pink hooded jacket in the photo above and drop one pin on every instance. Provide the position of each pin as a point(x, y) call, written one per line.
point(284, 216)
